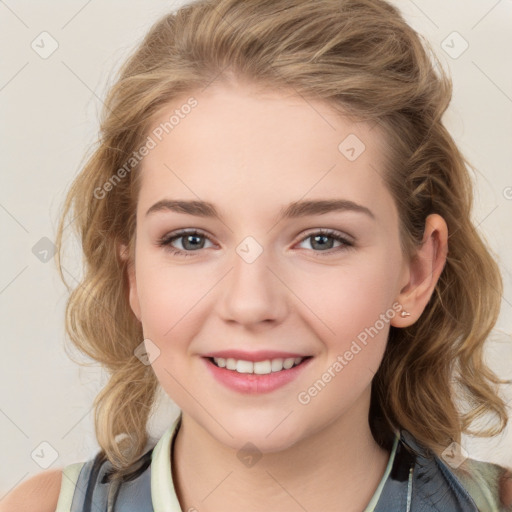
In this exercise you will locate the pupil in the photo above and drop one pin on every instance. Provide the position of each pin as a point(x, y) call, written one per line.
point(187, 240)
point(315, 238)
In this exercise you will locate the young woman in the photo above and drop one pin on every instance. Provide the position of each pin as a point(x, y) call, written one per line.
point(276, 230)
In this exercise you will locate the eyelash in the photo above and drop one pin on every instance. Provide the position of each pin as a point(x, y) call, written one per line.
point(166, 240)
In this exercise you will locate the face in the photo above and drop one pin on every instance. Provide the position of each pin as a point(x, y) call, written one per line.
point(265, 281)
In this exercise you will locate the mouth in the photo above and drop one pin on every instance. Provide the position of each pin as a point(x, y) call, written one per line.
point(256, 377)
point(258, 367)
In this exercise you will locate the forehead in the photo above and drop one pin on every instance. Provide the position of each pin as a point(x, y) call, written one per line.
point(238, 146)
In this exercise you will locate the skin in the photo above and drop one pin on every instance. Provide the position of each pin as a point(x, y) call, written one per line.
point(251, 153)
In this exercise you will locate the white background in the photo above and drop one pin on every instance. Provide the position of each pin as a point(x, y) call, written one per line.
point(49, 119)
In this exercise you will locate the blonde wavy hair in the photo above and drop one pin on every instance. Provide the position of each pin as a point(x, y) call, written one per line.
point(362, 58)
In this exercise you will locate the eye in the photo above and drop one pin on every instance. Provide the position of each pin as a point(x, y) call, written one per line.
point(191, 242)
point(319, 240)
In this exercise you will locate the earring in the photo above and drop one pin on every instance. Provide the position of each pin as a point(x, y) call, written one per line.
point(404, 313)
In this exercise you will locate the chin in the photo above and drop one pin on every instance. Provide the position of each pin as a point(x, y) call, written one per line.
point(268, 435)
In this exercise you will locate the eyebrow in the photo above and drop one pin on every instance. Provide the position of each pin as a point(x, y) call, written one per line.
point(293, 210)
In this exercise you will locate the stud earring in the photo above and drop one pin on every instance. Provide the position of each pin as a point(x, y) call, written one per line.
point(404, 313)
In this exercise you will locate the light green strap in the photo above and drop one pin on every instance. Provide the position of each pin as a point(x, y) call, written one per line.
point(68, 484)
point(376, 495)
point(163, 494)
point(481, 480)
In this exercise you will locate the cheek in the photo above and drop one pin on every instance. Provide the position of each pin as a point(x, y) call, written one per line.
point(161, 308)
point(347, 299)
point(170, 300)
point(353, 310)
point(166, 294)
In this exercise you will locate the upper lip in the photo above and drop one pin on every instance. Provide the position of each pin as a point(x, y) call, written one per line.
point(259, 355)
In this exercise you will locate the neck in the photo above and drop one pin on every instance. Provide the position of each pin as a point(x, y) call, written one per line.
point(341, 463)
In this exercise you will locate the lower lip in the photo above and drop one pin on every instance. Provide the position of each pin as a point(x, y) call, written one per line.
point(251, 383)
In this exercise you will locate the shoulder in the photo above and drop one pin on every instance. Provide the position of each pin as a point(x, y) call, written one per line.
point(488, 483)
point(478, 485)
point(39, 493)
point(101, 490)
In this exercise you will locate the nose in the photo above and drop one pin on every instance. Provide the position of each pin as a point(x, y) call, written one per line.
point(253, 292)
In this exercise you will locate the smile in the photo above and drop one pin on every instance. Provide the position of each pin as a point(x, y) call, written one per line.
point(255, 377)
point(259, 367)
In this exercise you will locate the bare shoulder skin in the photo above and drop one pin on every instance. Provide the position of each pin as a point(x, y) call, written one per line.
point(39, 493)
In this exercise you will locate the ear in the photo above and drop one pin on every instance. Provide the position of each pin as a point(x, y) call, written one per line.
point(132, 281)
point(423, 271)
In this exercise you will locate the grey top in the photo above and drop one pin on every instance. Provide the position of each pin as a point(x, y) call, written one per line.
point(415, 480)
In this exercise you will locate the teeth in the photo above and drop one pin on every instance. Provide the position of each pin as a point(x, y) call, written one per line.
point(244, 366)
point(288, 363)
point(259, 367)
point(221, 362)
point(277, 365)
point(262, 367)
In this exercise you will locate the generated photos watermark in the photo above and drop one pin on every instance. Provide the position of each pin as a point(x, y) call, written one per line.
point(342, 360)
point(150, 143)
